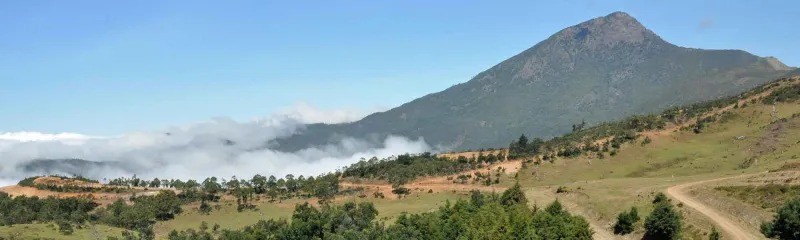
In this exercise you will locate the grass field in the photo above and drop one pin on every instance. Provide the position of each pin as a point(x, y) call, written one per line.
point(50, 231)
point(606, 187)
point(228, 218)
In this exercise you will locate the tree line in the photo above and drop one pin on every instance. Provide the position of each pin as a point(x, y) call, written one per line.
point(405, 168)
point(483, 216)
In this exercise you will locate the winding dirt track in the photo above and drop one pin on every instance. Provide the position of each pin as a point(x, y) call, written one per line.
point(732, 229)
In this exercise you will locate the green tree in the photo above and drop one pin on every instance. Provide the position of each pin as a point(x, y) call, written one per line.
point(513, 195)
point(259, 184)
point(660, 198)
point(65, 228)
point(626, 222)
point(786, 224)
point(663, 223)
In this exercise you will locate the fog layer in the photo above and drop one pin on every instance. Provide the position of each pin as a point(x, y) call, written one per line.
point(219, 147)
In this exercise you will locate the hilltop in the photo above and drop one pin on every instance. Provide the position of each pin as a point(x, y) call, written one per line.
point(596, 71)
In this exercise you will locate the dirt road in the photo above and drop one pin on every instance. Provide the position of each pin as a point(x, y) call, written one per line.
point(732, 229)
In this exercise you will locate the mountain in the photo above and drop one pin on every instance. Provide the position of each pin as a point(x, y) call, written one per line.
point(599, 70)
point(794, 73)
point(64, 166)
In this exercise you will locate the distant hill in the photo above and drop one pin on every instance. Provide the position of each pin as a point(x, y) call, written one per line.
point(65, 166)
point(794, 73)
point(599, 70)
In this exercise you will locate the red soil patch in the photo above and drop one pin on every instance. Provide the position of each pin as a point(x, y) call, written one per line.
point(473, 153)
point(65, 182)
point(440, 184)
point(102, 198)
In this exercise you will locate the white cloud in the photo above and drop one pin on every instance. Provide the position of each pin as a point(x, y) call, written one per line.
point(308, 114)
point(219, 147)
point(38, 136)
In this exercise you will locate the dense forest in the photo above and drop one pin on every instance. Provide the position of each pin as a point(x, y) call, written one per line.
point(483, 216)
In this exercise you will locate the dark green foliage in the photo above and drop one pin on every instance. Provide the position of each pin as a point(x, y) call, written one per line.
point(664, 222)
point(27, 182)
point(22, 209)
point(626, 222)
point(65, 228)
point(660, 198)
point(144, 212)
point(482, 217)
point(714, 235)
point(521, 148)
point(513, 195)
point(787, 94)
point(204, 208)
point(401, 191)
point(786, 225)
point(405, 168)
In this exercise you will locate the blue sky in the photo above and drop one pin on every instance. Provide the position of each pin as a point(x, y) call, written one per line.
point(109, 67)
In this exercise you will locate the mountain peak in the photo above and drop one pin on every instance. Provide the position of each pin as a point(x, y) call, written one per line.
point(609, 30)
point(777, 64)
point(620, 16)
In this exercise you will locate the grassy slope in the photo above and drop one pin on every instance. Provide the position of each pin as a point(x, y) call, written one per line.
point(601, 190)
point(609, 186)
point(43, 230)
point(228, 218)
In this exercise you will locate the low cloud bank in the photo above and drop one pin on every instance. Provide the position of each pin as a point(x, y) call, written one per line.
point(220, 147)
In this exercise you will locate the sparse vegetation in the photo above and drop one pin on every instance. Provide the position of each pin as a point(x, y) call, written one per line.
point(505, 217)
point(714, 235)
point(766, 196)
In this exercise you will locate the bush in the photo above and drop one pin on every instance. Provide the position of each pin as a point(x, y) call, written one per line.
point(625, 222)
point(205, 208)
point(660, 198)
point(663, 223)
point(65, 228)
point(401, 191)
point(714, 234)
point(786, 224)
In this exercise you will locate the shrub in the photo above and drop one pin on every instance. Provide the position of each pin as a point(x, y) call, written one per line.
point(714, 234)
point(663, 223)
point(625, 221)
point(205, 208)
point(786, 224)
point(65, 228)
point(660, 198)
